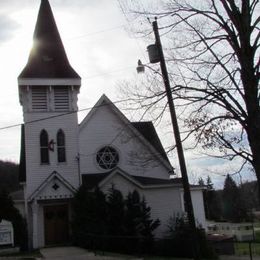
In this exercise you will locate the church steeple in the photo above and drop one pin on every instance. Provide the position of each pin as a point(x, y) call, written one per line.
point(48, 93)
point(47, 58)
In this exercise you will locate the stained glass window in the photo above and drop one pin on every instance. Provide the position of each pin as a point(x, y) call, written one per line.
point(107, 157)
point(44, 146)
point(61, 151)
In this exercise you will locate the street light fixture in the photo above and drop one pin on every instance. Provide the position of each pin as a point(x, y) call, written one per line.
point(140, 67)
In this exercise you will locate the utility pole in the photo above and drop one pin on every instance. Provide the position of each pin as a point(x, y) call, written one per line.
point(185, 180)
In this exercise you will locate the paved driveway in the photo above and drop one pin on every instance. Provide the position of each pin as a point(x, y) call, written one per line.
point(75, 253)
point(246, 257)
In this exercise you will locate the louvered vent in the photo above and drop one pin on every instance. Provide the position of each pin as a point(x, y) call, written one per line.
point(61, 98)
point(39, 98)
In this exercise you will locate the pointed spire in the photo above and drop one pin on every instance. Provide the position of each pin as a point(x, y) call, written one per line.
point(47, 58)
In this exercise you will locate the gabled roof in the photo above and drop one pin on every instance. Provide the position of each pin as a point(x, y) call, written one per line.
point(90, 181)
point(57, 178)
point(47, 58)
point(148, 131)
point(103, 101)
point(147, 135)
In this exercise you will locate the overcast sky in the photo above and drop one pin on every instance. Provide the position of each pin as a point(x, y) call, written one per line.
point(97, 43)
point(100, 47)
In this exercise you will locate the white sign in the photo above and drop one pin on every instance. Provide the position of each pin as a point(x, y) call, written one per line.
point(6, 233)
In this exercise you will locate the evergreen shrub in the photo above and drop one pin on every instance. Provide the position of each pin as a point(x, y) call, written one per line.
point(10, 213)
point(179, 241)
point(111, 222)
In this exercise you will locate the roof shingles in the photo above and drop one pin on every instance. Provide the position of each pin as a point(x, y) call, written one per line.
point(149, 133)
point(47, 58)
point(91, 181)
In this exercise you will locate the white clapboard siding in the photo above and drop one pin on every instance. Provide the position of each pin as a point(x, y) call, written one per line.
point(135, 157)
point(51, 121)
point(165, 202)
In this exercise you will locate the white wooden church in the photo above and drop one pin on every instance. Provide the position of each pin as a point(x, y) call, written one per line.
point(58, 154)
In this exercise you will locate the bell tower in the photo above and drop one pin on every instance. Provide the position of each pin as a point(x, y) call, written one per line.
point(48, 89)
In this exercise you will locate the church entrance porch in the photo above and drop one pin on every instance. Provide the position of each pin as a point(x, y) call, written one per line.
point(56, 224)
point(49, 222)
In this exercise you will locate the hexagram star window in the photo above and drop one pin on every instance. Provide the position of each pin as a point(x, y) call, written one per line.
point(107, 157)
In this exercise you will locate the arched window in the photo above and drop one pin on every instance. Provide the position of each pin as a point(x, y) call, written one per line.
point(61, 151)
point(44, 147)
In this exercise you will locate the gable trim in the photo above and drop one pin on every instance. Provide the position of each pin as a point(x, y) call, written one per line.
point(135, 181)
point(106, 101)
point(123, 174)
point(53, 175)
point(102, 99)
point(48, 81)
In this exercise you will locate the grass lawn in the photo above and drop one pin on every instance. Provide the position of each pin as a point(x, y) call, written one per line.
point(257, 235)
point(242, 248)
point(24, 255)
point(162, 258)
point(122, 256)
point(257, 224)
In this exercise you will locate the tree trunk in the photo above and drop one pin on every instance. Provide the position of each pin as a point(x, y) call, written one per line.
point(250, 81)
point(256, 165)
point(253, 134)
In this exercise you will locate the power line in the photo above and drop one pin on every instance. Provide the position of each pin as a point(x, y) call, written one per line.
point(89, 108)
point(97, 32)
point(107, 73)
point(59, 115)
point(135, 135)
point(132, 35)
point(94, 76)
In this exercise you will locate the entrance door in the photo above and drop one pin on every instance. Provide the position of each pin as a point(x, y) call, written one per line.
point(56, 224)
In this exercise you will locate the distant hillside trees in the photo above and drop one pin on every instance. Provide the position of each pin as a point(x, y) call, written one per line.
point(234, 203)
point(249, 192)
point(9, 176)
point(10, 213)
point(234, 208)
point(8, 183)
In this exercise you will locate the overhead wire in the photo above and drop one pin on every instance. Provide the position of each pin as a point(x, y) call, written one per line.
point(59, 115)
point(95, 107)
point(120, 133)
point(86, 109)
point(98, 75)
point(107, 73)
point(103, 31)
point(81, 110)
point(131, 34)
point(97, 32)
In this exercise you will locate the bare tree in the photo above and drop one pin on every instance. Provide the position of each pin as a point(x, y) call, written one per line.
point(212, 51)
